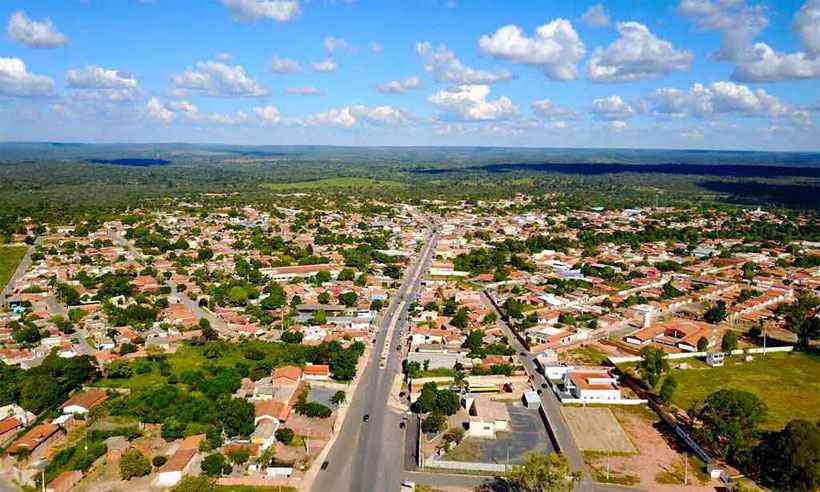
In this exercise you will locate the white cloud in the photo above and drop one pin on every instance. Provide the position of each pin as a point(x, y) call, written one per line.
point(17, 81)
point(469, 102)
point(304, 91)
point(349, 116)
point(555, 49)
point(268, 114)
point(325, 66)
point(333, 44)
point(444, 66)
point(617, 125)
point(95, 77)
point(400, 86)
point(546, 109)
point(737, 21)
point(224, 57)
point(807, 25)
point(238, 118)
point(252, 10)
point(190, 110)
point(637, 54)
point(612, 108)
point(720, 98)
point(159, 112)
point(375, 47)
point(218, 79)
point(284, 65)
point(34, 34)
point(763, 64)
point(596, 16)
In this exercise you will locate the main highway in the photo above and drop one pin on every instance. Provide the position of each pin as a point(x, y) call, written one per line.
point(369, 456)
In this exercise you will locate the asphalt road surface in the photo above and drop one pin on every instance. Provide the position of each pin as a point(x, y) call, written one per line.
point(368, 456)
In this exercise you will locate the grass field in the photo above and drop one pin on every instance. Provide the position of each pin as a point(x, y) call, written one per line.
point(347, 182)
point(10, 257)
point(788, 383)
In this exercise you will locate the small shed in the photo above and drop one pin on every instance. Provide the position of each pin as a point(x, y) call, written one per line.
point(531, 399)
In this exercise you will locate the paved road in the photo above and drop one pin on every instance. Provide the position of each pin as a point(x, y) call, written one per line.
point(551, 405)
point(21, 270)
point(369, 456)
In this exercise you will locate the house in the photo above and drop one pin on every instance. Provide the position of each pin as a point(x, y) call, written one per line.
point(36, 439)
point(270, 410)
point(684, 334)
point(486, 418)
point(317, 372)
point(592, 385)
point(9, 427)
point(287, 376)
point(84, 402)
point(531, 399)
point(65, 481)
point(715, 359)
point(180, 463)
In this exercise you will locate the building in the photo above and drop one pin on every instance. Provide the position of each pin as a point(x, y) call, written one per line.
point(65, 481)
point(317, 372)
point(592, 385)
point(84, 402)
point(486, 418)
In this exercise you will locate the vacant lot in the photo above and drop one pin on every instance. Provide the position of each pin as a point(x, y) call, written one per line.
point(788, 383)
point(349, 182)
point(597, 429)
point(10, 257)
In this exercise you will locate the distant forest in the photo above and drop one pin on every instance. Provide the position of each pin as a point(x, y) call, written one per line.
point(59, 181)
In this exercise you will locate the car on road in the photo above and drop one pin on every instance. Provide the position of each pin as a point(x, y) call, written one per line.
point(366, 417)
point(544, 385)
point(402, 425)
point(324, 465)
point(522, 354)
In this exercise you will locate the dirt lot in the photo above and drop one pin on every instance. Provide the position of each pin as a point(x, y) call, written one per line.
point(596, 429)
point(659, 461)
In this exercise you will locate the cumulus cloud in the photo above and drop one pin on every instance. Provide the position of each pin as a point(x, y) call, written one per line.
point(737, 21)
point(617, 125)
point(469, 102)
point(94, 82)
point(555, 49)
point(763, 64)
point(34, 34)
point(237, 118)
point(807, 25)
point(157, 111)
point(333, 44)
point(400, 86)
point(544, 108)
point(325, 66)
point(253, 10)
point(349, 116)
point(719, 98)
point(284, 65)
point(218, 79)
point(596, 16)
point(612, 108)
point(304, 91)
point(444, 66)
point(17, 81)
point(637, 54)
point(268, 114)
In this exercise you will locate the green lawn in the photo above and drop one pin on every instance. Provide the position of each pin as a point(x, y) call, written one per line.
point(788, 383)
point(10, 257)
point(345, 182)
point(588, 355)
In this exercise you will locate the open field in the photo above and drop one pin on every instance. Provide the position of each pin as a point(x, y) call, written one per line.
point(348, 182)
point(588, 354)
point(10, 257)
point(788, 383)
point(596, 429)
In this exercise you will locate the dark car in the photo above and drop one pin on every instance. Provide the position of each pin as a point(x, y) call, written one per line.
point(366, 417)
point(544, 385)
point(522, 353)
point(324, 465)
point(401, 425)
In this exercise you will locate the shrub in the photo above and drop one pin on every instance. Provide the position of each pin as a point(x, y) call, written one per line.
point(284, 435)
point(134, 464)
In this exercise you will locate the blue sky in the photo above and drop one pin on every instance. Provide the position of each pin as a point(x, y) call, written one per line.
point(687, 74)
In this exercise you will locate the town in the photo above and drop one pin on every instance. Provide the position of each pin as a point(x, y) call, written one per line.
point(432, 345)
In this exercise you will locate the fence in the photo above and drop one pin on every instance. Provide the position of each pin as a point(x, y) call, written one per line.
point(467, 466)
point(688, 355)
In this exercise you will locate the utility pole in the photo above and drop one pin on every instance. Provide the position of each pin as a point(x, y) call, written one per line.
point(686, 469)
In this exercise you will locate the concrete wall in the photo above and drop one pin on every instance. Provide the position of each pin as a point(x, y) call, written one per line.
point(687, 355)
point(468, 466)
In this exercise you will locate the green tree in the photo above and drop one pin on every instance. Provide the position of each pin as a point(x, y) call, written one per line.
point(790, 459)
point(703, 344)
point(729, 341)
point(236, 415)
point(543, 472)
point(670, 384)
point(729, 422)
point(284, 435)
point(716, 313)
point(349, 298)
point(213, 465)
point(435, 422)
point(653, 365)
point(134, 464)
point(338, 397)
